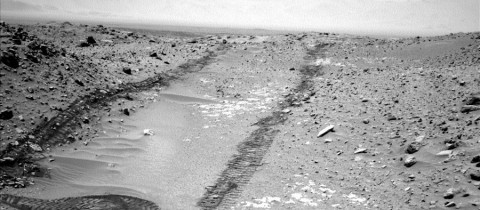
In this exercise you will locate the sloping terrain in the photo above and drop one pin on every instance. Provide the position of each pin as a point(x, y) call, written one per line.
point(405, 112)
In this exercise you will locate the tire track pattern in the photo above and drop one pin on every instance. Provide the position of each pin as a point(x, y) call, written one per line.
point(106, 202)
point(251, 151)
point(60, 128)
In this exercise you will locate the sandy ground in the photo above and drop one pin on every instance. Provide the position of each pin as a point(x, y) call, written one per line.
point(405, 116)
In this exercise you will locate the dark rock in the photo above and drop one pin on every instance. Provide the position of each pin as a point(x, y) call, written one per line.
point(292, 69)
point(451, 192)
point(126, 112)
point(7, 161)
point(17, 41)
point(32, 58)
point(46, 50)
point(166, 62)
point(448, 195)
point(453, 145)
point(9, 59)
point(474, 99)
point(475, 175)
point(83, 44)
point(127, 70)
point(469, 108)
point(475, 159)
point(390, 117)
point(128, 97)
point(79, 82)
point(34, 45)
point(413, 147)
point(6, 114)
point(360, 150)
point(153, 54)
point(91, 40)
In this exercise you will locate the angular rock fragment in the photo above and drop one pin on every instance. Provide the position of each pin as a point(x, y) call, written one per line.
point(410, 160)
point(17, 41)
point(35, 147)
point(475, 159)
point(420, 139)
point(469, 108)
point(325, 130)
point(127, 70)
point(83, 44)
point(9, 59)
point(450, 204)
point(32, 58)
point(473, 99)
point(413, 147)
point(390, 117)
point(360, 150)
point(6, 114)
point(449, 194)
point(475, 175)
point(91, 40)
point(79, 82)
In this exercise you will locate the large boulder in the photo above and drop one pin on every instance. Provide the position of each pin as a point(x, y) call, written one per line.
point(9, 59)
point(6, 114)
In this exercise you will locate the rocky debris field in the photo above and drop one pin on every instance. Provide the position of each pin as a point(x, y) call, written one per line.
point(398, 118)
point(46, 69)
point(402, 131)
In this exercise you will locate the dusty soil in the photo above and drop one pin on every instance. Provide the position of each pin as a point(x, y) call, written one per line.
point(405, 112)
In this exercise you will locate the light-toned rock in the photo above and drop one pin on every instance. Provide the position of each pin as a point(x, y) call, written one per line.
point(148, 132)
point(410, 160)
point(325, 130)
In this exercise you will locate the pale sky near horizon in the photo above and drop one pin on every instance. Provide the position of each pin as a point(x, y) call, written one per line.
point(407, 17)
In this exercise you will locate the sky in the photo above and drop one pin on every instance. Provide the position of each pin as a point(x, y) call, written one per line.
point(401, 17)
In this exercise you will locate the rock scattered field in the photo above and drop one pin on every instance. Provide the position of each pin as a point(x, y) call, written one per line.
point(404, 113)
